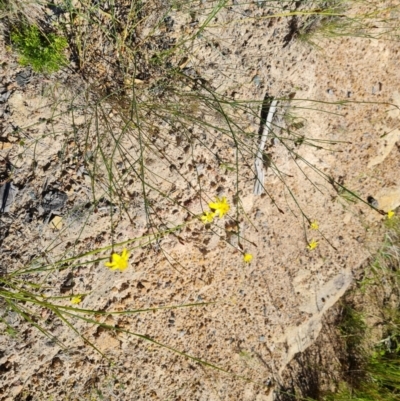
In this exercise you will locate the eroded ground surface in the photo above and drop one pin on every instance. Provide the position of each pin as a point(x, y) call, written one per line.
point(262, 314)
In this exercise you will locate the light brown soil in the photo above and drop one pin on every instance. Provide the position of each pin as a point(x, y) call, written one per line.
point(260, 314)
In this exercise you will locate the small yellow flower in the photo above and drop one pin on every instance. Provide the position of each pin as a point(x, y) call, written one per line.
point(390, 214)
point(221, 206)
point(314, 225)
point(247, 257)
point(119, 261)
point(312, 245)
point(207, 217)
point(76, 299)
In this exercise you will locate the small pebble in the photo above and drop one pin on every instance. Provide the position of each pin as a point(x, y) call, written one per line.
point(373, 202)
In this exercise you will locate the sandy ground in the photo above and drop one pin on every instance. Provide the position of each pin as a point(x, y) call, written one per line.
point(261, 314)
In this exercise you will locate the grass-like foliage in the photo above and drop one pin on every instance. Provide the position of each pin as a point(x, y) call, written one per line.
point(43, 52)
point(369, 19)
point(374, 348)
point(364, 334)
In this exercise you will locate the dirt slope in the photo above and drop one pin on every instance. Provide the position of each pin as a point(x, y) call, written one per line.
point(261, 314)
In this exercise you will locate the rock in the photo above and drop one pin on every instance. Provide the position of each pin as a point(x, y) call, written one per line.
point(5, 145)
point(385, 147)
point(394, 112)
point(299, 338)
point(4, 97)
point(23, 78)
point(389, 198)
point(54, 200)
point(7, 195)
point(56, 222)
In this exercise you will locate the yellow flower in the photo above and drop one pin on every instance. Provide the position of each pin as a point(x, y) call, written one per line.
point(221, 206)
point(390, 214)
point(312, 245)
point(119, 261)
point(207, 217)
point(76, 299)
point(314, 225)
point(247, 257)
